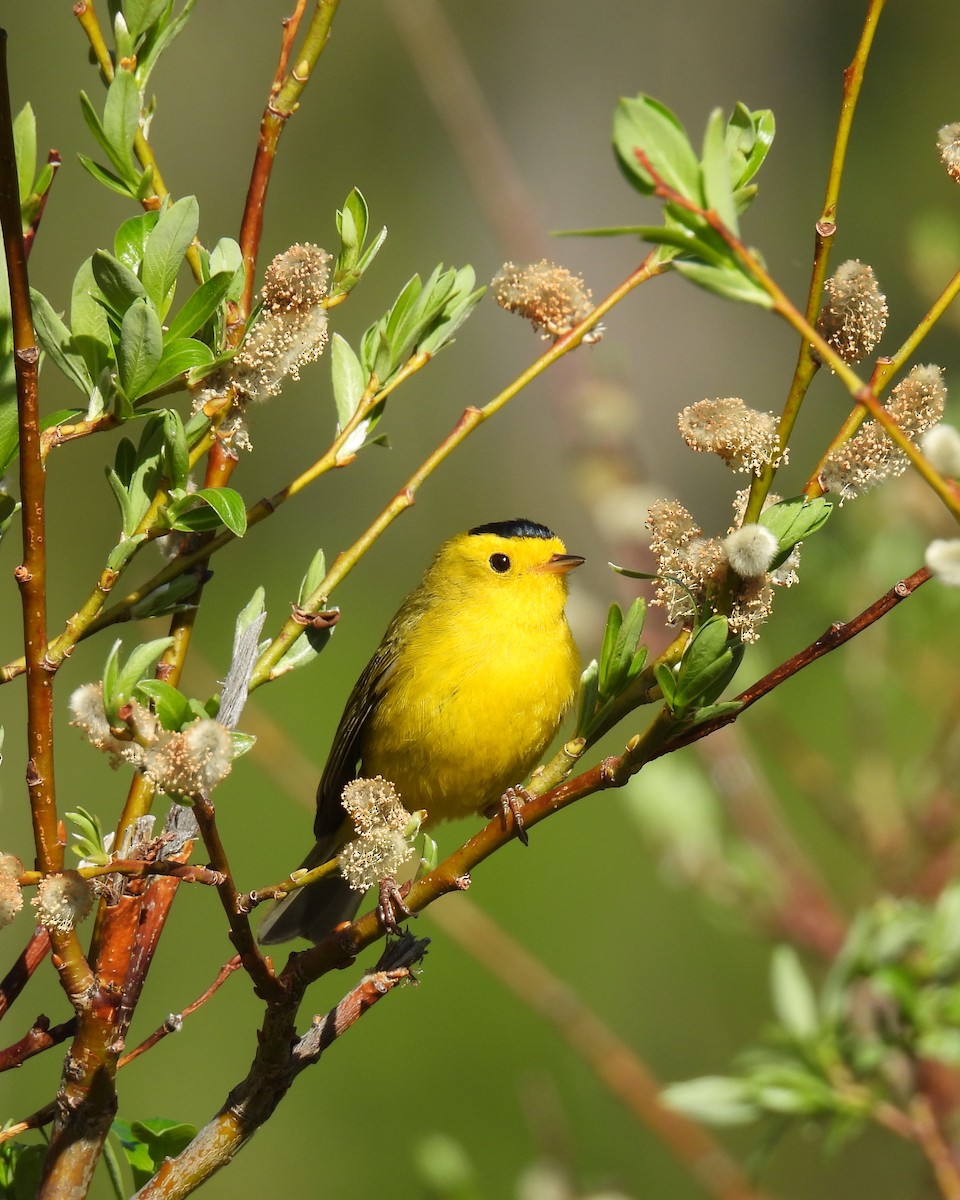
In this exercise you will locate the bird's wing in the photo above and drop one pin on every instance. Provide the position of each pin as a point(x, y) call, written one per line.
point(344, 756)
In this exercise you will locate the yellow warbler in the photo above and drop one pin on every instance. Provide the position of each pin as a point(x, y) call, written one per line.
point(459, 701)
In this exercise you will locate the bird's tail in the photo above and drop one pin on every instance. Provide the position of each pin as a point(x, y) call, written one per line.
point(312, 912)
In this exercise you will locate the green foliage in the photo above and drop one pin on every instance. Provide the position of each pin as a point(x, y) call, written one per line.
point(654, 152)
point(20, 1169)
point(891, 998)
point(793, 521)
point(352, 260)
point(147, 1143)
point(422, 320)
point(709, 663)
point(90, 843)
point(120, 682)
point(621, 662)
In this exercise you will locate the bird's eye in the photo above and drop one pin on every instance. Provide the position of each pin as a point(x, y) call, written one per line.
point(500, 563)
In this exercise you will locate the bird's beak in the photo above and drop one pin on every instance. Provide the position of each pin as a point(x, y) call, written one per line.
point(560, 564)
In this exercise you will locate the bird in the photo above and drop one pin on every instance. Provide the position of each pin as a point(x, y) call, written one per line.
point(458, 703)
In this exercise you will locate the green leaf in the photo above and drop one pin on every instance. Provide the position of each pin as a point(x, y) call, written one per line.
point(147, 1143)
point(725, 281)
point(25, 150)
point(89, 324)
point(313, 578)
point(179, 356)
point(749, 138)
point(647, 124)
point(111, 673)
point(56, 341)
point(717, 187)
point(227, 256)
point(200, 307)
point(176, 457)
point(226, 508)
point(119, 285)
point(171, 705)
point(793, 997)
point(303, 651)
point(348, 378)
point(713, 1099)
point(138, 666)
point(121, 120)
point(165, 251)
point(107, 178)
point(140, 348)
point(130, 240)
point(167, 598)
point(794, 520)
point(141, 14)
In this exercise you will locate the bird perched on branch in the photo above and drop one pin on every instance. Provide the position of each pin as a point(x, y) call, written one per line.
point(458, 703)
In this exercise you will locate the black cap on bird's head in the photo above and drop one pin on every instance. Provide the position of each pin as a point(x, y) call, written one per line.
point(519, 527)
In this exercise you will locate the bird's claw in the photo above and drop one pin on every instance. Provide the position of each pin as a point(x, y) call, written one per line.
point(511, 809)
point(391, 908)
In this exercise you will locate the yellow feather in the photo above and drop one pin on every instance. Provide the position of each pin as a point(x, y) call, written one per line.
point(458, 703)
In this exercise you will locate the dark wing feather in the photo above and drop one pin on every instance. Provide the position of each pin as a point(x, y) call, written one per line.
point(344, 755)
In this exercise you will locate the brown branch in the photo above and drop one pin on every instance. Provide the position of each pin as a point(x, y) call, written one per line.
point(253, 962)
point(283, 101)
point(279, 1060)
point(614, 1063)
point(453, 874)
point(174, 1023)
point(39, 1037)
point(15, 980)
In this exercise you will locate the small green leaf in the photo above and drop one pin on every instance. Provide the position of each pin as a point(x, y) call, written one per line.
point(167, 598)
point(121, 120)
point(141, 662)
point(130, 240)
point(111, 673)
point(227, 256)
point(794, 520)
point(25, 150)
point(647, 124)
point(717, 187)
point(141, 14)
point(313, 578)
point(713, 1099)
point(729, 282)
point(89, 323)
point(57, 342)
point(140, 348)
point(179, 357)
point(170, 704)
point(165, 251)
point(793, 997)
point(348, 378)
point(107, 178)
point(119, 285)
point(200, 307)
point(176, 457)
point(226, 507)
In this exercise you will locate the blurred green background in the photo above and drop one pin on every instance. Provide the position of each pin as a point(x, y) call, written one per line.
point(681, 978)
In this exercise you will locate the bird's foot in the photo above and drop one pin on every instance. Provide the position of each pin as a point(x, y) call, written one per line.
point(510, 807)
point(391, 908)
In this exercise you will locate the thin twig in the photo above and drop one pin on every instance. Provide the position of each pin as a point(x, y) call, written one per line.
point(826, 229)
point(174, 1023)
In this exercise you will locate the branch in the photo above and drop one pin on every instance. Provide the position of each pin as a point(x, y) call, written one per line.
point(283, 103)
point(661, 737)
point(826, 229)
point(279, 1060)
